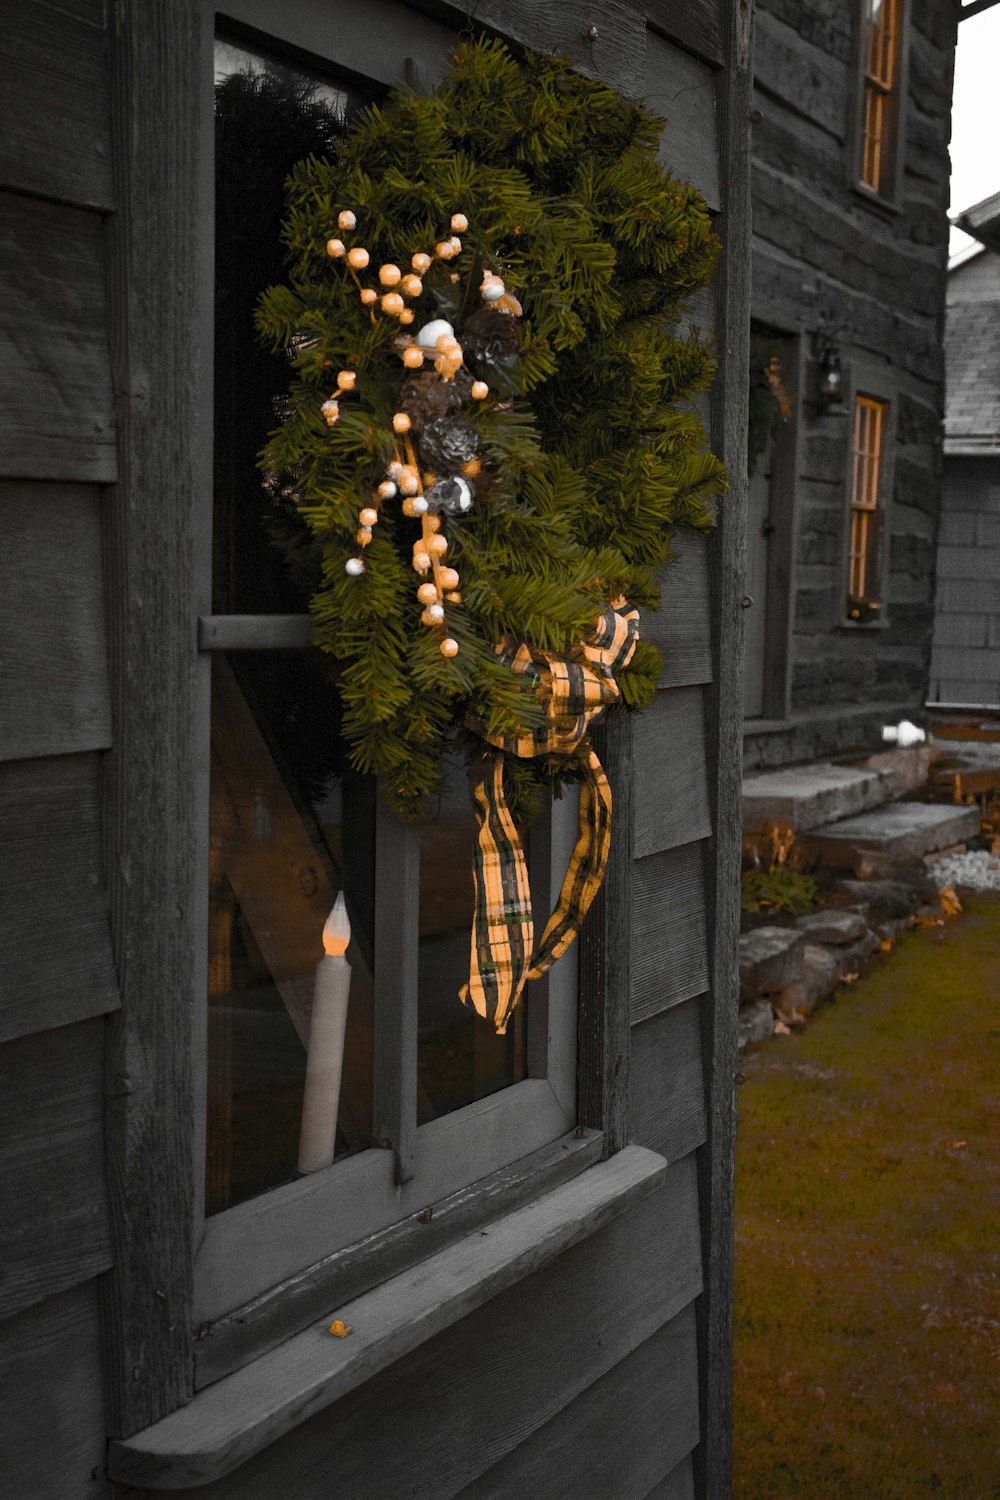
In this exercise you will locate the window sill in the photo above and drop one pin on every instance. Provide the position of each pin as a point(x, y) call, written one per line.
point(882, 623)
point(226, 1424)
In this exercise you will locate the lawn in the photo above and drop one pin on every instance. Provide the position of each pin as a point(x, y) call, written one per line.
point(867, 1266)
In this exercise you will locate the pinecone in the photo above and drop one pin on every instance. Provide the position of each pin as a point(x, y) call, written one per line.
point(447, 443)
point(490, 338)
point(426, 397)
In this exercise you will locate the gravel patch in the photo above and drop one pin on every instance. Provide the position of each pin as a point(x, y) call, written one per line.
point(977, 870)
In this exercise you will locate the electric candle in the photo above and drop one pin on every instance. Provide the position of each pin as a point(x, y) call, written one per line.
point(325, 1059)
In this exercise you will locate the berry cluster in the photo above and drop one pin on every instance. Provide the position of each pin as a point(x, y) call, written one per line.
point(425, 495)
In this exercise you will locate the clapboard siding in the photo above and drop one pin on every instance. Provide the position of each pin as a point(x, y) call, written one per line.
point(54, 1231)
point(473, 1394)
point(667, 1105)
point(56, 964)
point(646, 1412)
point(669, 938)
point(671, 787)
point(678, 1485)
point(697, 24)
point(682, 89)
point(53, 653)
point(616, 54)
point(51, 1419)
point(55, 49)
point(55, 377)
point(681, 627)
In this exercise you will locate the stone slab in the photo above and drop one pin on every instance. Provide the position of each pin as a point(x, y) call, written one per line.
point(804, 797)
point(835, 925)
point(818, 978)
point(900, 830)
point(769, 959)
point(884, 898)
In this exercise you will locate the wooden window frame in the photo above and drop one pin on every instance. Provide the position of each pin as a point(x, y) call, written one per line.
point(889, 85)
point(244, 1253)
point(870, 381)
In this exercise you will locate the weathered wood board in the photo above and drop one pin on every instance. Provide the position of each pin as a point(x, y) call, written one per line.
point(51, 1417)
point(683, 90)
point(56, 49)
point(697, 25)
point(669, 940)
point(56, 964)
point(681, 627)
point(53, 653)
point(645, 1412)
point(55, 374)
point(667, 1107)
point(671, 785)
point(51, 1164)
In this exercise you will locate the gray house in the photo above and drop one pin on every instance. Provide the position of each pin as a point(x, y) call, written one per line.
point(850, 196)
point(527, 1249)
point(965, 664)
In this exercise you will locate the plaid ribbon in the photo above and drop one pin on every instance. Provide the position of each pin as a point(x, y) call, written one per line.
point(574, 689)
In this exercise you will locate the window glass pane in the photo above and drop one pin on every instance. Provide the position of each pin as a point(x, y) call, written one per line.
point(459, 1057)
point(269, 114)
point(291, 825)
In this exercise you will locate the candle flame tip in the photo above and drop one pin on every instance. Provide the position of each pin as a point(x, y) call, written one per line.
point(337, 929)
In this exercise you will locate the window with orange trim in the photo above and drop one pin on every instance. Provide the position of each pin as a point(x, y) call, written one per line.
point(882, 47)
point(863, 584)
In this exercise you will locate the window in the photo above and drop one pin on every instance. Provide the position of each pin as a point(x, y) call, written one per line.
point(882, 34)
point(863, 583)
point(431, 1099)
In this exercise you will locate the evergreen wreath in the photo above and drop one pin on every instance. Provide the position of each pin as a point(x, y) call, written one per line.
point(540, 435)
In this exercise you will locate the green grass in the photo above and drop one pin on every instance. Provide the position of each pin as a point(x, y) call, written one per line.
point(867, 1268)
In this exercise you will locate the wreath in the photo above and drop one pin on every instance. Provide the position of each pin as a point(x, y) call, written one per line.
point(488, 427)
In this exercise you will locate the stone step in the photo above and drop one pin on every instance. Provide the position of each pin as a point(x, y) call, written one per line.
point(902, 830)
point(803, 797)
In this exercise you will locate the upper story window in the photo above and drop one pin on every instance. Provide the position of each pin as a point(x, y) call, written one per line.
point(863, 582)
point(882, 50)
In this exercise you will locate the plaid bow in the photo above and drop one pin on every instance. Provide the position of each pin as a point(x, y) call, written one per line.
point(574, 689)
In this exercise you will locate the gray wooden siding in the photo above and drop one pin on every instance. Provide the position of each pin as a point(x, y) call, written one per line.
point(53, 670)
point(819, 250)
point(51, 1418)
point(54, 1229)
point(57, 974)
point(965, 665)
point(56, 964)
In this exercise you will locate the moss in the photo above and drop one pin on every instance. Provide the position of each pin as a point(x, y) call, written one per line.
point(865, 1255)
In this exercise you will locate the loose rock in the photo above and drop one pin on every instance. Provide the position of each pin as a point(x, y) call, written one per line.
point(818, 978)
point(769, 959)
point(836, 925)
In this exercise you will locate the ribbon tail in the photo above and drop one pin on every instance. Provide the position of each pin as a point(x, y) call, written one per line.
point(502, 929)
point(586, 869)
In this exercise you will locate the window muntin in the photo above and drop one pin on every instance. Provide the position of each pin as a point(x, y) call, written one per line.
point(882, 40)
point(867, 457)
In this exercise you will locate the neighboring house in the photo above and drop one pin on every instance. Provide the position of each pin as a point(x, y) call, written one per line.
point(850, 196)
point(965, 664)
point(531, 1239)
